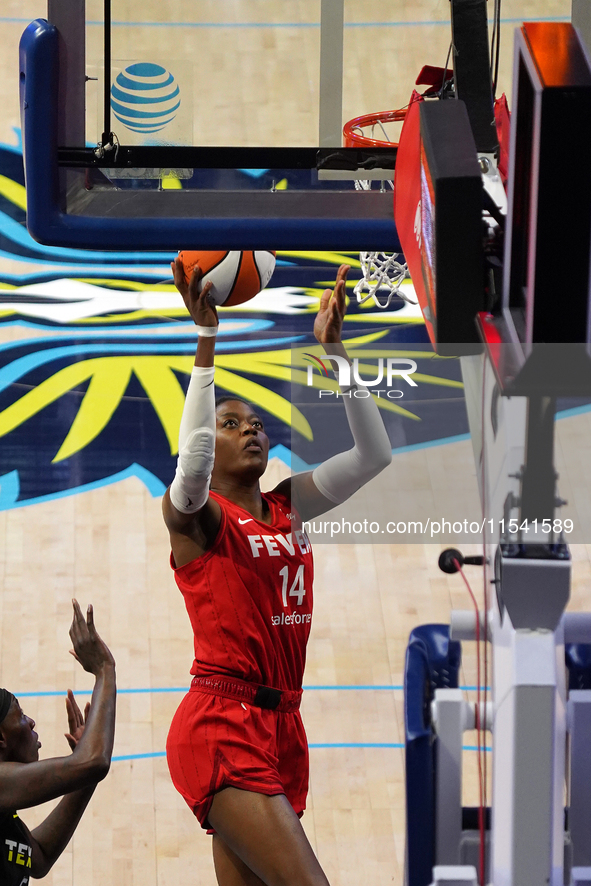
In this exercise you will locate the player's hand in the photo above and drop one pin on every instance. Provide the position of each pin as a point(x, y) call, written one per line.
point(92, 652)
point(201, 308)
point(329, 319)
point(76, 721)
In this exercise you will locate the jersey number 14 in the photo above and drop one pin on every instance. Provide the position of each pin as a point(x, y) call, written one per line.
point(297, 588)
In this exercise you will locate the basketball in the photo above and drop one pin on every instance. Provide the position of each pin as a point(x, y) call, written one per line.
point(236, 276)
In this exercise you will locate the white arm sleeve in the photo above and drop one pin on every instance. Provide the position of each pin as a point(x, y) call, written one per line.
point(190, 488)
point(339, 477)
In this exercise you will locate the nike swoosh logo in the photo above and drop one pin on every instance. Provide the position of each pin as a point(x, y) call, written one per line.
point(245, 521)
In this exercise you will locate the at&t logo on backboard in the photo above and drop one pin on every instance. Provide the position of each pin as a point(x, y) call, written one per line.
point(145, 97)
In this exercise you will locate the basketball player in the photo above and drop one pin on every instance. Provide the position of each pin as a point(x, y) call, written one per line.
point(26, 781)
point(237, 749)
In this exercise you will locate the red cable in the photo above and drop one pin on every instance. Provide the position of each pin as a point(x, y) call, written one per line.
point(485, 689)
point(484, 803)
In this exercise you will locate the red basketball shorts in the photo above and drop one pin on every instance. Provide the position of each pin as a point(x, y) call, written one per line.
point(216, 742)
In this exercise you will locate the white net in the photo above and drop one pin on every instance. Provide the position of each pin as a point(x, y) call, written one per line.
point(383, 276)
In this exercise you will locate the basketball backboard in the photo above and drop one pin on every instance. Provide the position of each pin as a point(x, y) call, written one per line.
point(195, 131)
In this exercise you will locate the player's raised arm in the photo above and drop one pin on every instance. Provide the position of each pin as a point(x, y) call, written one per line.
point(185, 500)
point(336, 479)
point(26, 781)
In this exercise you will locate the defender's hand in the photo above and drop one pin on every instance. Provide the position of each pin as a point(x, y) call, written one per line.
point(76, 721)
point(92, 652)
point(329, 320)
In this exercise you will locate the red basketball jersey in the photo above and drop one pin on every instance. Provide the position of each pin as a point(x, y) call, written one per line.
point(249, 597)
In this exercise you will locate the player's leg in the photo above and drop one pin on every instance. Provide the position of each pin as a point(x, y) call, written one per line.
point(229, 869)
point(266, 835)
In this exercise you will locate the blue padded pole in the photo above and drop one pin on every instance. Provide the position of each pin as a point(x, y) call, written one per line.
point(420, 771)
point(432, 662)
point(38, 60)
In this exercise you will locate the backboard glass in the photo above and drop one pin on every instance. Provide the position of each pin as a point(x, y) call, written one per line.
point(258, 99)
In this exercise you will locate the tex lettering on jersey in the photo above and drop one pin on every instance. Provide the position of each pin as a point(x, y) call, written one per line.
point(18, 854)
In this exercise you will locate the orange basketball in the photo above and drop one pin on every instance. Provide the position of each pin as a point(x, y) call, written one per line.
point(236, 276)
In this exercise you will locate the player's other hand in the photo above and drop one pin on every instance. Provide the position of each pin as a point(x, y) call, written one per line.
point(329, 319)
point(199, 305)
point(76, 722)
point(93, 653)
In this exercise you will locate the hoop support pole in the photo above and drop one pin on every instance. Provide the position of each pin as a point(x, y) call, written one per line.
point(330, 114)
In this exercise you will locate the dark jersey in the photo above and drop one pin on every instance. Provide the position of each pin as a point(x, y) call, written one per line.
point(15, 854)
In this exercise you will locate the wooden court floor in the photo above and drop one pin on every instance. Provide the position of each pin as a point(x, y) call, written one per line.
point(109, 546)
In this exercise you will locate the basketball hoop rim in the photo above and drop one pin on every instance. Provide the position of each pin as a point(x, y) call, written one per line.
point(355, 140)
